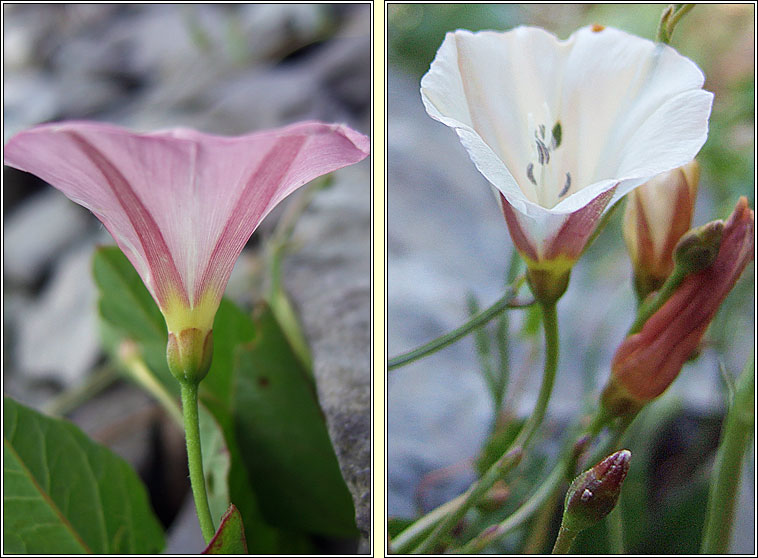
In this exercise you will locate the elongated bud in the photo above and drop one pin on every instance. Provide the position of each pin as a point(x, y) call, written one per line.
point(648, 362)
point(656, 216)
point(189, 354)
point(594, 493)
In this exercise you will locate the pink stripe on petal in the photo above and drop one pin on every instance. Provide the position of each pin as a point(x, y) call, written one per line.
point(572, 237)
point(257, 198)
point(154, 247)
point(519, 237)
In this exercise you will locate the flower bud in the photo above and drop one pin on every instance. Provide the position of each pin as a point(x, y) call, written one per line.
point(647, 362)
point(657, 214)
point(594, 493)
point(189, 354)
point(699, 247)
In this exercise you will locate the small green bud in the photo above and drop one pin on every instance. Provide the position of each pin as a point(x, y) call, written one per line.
point(594, 493)
point(699, 247)
point(189, 354)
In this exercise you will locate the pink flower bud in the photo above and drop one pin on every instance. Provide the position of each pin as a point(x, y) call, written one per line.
point(594, 493)
point(657, 214)
point(647, 362)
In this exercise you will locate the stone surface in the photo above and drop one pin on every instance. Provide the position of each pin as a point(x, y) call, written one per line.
point(57, 334)
point(329, 280)
point(36, 234)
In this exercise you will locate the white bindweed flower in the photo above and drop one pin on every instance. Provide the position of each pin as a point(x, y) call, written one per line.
point(564, 129)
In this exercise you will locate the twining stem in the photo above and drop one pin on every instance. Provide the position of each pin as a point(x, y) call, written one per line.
point(195, 459)
point(515, 451)
point(478, 320)
point(560, 473)
point(735, 437)
point(564, 541)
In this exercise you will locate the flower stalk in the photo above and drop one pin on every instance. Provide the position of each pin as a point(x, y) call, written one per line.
point(195, 458)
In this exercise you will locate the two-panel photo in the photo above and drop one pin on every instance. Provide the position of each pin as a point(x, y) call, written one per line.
point(377, 278)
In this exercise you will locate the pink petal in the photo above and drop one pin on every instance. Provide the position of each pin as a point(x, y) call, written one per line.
point(181, 204)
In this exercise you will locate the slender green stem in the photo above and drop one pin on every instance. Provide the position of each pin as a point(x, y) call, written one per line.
point(560, 473)
point(503, 303)
point(669, 18)
point(665, 292)
point(564, 541)
point(727, 470)
point(471, 497)
point(402, 543)
point(98, 381)
point(195, 459)
point(550, 325)
point(513, 454)
point(140, 373)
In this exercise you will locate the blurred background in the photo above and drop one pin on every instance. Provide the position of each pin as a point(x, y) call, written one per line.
point(225, 69)
point(447, 241)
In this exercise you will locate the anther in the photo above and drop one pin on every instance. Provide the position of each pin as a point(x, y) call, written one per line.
point(530, 173)
point(565, 186)
point(543, 153)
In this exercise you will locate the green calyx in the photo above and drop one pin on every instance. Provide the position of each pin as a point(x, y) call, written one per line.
point(189, 354)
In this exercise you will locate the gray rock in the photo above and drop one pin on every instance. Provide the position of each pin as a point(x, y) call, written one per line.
point(329, 279)
point(57, 334)
point(184, 536)
point(38, 231)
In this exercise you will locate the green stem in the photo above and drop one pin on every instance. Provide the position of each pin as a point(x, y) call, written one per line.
point(503, 303)
point(402, 543)
point(195, 459)
point(560, 473)
point(735, 438)
point(550, 325)
point(669, 18)
point(564, 541)
point(665, 292)
point(513, 454)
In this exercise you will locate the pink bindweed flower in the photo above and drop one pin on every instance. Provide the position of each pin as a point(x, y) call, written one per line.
point(647, 362)
point(656, 216)
point(182, 204)
point(564, 129)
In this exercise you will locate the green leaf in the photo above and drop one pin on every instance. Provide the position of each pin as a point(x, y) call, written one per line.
point(124, 299)
point(230, 537)
point(280, 428)
point(65, 494)
point(307, 493)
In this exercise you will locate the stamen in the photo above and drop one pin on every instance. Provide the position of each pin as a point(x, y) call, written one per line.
point(543, 152)
point(565, 186)
point(530, 173)
point(542, 131)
